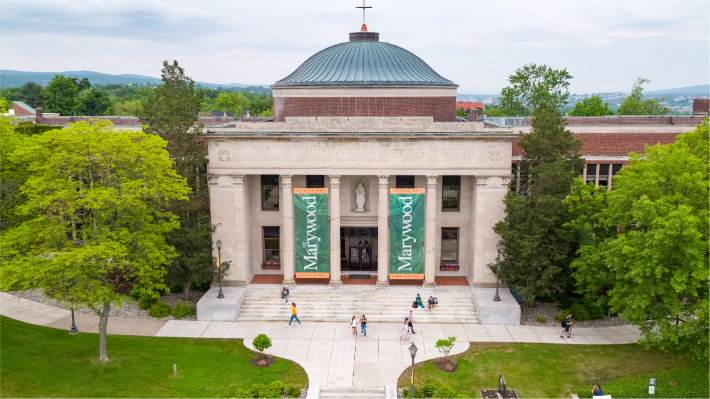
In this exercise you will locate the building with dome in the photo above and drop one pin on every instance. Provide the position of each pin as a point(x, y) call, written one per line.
point(364, 173)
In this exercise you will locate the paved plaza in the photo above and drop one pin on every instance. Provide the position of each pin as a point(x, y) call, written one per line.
point(326, 350)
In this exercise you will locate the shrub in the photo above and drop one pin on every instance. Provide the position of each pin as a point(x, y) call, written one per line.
point(594, 311)
point(146, 301)
point(243, 393)
point(258, 390)
point(418, 392)
point(446, 392)
point(429, 388)
point(135, 295)
point(578, 312)
point(202, 286)
point(561, 316)
point(542, 320)
point(184, 309)
point(293, 391)
point(566, 303)
point(159, 310)
point(275, 390)
point(175, 288)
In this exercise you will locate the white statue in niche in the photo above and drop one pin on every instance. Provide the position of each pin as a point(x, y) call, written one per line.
point(360, 198)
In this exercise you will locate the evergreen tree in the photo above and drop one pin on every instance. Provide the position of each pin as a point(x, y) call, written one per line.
point(537, 247)
point(171, 114)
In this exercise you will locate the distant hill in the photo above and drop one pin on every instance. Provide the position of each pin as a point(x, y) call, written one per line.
point(689, 90)
point(10, 78)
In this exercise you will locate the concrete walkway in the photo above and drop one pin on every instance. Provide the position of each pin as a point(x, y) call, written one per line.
point(326, 350)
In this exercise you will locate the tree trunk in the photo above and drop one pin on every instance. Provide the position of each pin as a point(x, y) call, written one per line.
point(103, 323)
point(186, 291)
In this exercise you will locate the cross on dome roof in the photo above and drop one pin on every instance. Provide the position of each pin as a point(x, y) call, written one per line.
point(364, 27)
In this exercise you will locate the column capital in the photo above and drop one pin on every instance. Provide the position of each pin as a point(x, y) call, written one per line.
point(334, 181)
point(431, 180)
point(505, 180)
point(238, 180)
point(383, 181)
point(481, 181)
point(286, 180)
point(213, 180)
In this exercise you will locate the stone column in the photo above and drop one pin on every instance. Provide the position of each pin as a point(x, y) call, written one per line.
point(487, 210)
point(287, 232)
point(240, 272)
point(334, 194)
point(383, 249)
point(430, 233)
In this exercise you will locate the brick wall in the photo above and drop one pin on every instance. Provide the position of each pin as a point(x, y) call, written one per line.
point(630, 120)
point(615, 143)
point(443, 109)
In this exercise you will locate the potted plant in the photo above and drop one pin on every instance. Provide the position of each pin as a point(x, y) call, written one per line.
point(270, 265)
point(448, 266)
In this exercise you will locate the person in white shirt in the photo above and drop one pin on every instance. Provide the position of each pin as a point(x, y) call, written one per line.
point(353, 325)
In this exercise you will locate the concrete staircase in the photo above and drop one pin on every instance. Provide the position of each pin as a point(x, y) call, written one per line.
point(323, 303)
point(351, 392)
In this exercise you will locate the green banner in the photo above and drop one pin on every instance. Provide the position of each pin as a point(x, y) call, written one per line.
point(310, 214)
point(407, 233)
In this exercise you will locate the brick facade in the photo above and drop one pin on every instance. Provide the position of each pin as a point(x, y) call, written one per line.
point(629, 120)
point(615, 143)
point(443, 109)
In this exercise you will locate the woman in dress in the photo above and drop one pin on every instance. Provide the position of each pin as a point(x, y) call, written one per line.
point(353, 326)
point(404, 332)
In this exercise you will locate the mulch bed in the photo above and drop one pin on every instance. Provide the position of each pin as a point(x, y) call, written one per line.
point(259, 361)
point(493, 393)
point(448, 366)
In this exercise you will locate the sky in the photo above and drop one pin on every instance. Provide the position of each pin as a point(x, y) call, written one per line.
point(605, 45)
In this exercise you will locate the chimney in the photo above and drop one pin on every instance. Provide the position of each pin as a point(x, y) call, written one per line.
point(473, 114)
point(40, 116)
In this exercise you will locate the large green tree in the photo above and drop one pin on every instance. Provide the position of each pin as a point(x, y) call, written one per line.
point(535, 85)
point(32, 93)
point(98, 200)
point(12, 174)
point(171, 114)
point(591, 106)
point(634, 104)
point(95, 102)
point(537, 247)
point(645, 243)
point(62, 95)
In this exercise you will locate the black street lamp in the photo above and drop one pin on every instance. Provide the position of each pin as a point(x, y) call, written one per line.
point(73, 330)
point(499, 246)
point(219, 267)
point(413, 353)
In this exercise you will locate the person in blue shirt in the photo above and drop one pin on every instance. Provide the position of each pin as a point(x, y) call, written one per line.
point(597, 391)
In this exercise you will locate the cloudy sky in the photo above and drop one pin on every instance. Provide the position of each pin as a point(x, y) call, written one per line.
point(604, 44)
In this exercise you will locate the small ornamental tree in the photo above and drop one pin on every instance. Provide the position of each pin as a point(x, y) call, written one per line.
point(261, 342)
point(96, 200)
point(445, 345)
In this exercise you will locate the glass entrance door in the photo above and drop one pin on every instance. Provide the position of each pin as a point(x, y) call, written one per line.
point(358, 249)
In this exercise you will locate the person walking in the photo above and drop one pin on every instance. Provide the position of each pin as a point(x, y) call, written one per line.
point(294, 315)
point(567, 324)
point(284, 293)
point(410, 319)
point(404, 332)
point(353, 326)
point(418, 302)
point(363, 326)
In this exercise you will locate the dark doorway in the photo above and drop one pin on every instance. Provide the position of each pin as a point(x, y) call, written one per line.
point(358, 249)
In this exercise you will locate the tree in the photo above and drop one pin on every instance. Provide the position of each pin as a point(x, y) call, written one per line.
point(634, 104)
point(12, 174)
point(32, 93)
point(537, 247)
point(126, 108)
point(95, 102)
point(445, 345)
point(171, 114)
point(61, 95)
point(534, 85)
point(591, 106)
point(647, 243)
point(235, 101)
point(98, 201)
point(261, 342)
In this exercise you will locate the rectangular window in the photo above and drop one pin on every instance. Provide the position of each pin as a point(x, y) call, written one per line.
point(450, 193)
point(591, 172)
point(405, 182)
point(603, 175)
point(315, 181)
point(269, 192)
point(615, 168)
point(271, 245)
point(449, 246)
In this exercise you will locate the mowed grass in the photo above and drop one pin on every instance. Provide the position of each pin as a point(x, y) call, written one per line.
point(544, 370)
point(45, 362)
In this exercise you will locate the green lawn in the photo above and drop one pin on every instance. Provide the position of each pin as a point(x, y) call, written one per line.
point(45, 362)
point(549, 371)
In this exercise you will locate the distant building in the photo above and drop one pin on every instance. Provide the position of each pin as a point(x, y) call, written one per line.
point(488, 100)
point(465, 105)
point(22, 109)
point(245, 113)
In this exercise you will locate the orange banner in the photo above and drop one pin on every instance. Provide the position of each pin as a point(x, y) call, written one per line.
point(407, 191)
point(314, 275)
point(404, 276)
point(310, 191)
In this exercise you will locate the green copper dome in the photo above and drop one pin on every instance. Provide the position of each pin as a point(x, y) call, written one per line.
point(364, 60)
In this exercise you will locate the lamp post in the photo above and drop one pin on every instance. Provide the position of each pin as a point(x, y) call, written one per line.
point(73, 330)
point(219, 267)
point(499, 246)
point(413, 353)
